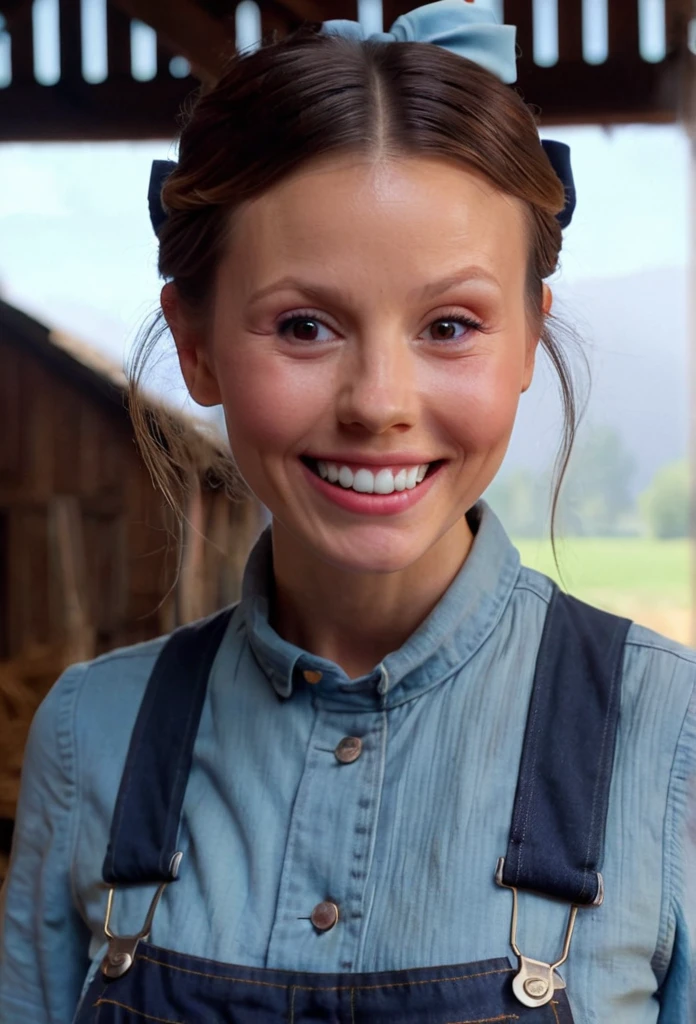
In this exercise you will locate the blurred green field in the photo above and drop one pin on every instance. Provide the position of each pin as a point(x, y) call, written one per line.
point(644, 579)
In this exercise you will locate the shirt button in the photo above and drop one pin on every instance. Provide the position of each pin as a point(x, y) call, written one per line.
point(312, 677)
point(324, 916)
point(348, 750)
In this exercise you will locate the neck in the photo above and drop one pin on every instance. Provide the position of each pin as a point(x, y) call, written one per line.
point(356, 619)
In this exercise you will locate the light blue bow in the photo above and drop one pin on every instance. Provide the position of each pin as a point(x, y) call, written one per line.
point(467, 29)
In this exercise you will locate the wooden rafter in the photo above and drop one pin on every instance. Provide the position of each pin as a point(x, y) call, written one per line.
point(205, 41)
point(10, 9)
point(314, 10)
point(624, 88)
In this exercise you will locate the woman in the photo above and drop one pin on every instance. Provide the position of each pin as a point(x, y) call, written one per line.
point(396, 716)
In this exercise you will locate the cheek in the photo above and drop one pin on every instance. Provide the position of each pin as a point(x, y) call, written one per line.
point(270, 403)
point(480, 403)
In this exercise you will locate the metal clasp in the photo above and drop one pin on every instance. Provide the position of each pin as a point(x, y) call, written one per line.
point(120, 955)
point(536, 981)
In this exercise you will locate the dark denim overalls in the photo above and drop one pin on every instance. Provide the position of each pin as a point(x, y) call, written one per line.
point(555, 846)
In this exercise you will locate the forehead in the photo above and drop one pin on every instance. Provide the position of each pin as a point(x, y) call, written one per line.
point(380, 223)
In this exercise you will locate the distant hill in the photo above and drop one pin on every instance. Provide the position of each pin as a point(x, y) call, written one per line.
point(634, 332)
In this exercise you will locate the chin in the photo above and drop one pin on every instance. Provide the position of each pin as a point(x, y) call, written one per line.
point(378, 551)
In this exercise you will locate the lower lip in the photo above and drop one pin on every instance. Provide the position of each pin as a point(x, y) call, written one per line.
point(371, 504)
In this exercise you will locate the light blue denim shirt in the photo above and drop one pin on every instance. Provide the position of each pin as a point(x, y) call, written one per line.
point(404, 839)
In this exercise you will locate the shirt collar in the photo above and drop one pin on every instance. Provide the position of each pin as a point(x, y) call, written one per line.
point(461, 621)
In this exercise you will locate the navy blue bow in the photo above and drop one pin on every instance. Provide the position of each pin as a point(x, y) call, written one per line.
point(557, 152)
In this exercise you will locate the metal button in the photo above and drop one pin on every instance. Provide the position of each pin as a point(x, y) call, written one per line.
point(324, 916)
point(348, 750)
point(536, 987)
point(312, 677)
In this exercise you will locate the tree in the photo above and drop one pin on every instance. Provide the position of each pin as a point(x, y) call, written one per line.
point(665, 504)
point(521, 499)
point(597, 493)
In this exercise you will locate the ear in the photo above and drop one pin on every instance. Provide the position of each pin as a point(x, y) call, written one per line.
point(194, 360)
point(533, 342)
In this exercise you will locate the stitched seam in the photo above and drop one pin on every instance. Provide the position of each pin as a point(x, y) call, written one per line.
point(293, 992)
point(138, 1013)
point(530, 590)
point(352, 1006)
point(68, 746)
point(321, 988)
point(556, 1018)
point(128, 654)
point(675, 803)
point(180, 778)
point(663, 650)
point(540, 673)
point(507, 583)
point(308, 772)
point(376, 793)
point(174, 809)
point(602, 767)
point(487, 1020)
point(126, 783)
point(98, 999)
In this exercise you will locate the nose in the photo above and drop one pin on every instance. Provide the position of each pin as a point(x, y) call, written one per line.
point(377, 389)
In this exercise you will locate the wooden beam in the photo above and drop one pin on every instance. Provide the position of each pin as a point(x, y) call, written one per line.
point(206, 42)
point(11, 9)
point(623, 28)
point(317, 10)
point(570, 32)
point(520, 13)
point(311, 10)
point(70, 40)
point(22, 38)
point(118, 44)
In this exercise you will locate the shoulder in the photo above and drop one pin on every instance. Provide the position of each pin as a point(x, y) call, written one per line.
point(107, 686)
point(90, 711)
point(659, 677)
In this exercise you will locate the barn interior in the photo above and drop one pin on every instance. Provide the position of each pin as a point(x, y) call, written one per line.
point(72, 520)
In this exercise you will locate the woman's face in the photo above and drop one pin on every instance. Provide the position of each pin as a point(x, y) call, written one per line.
point(369, 323)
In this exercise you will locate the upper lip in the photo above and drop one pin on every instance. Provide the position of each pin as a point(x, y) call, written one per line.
point(362, 459)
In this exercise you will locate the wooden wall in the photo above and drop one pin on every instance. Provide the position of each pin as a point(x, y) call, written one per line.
point(89, 555)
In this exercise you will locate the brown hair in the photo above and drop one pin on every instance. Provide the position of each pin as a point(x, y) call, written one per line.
point(311, 94)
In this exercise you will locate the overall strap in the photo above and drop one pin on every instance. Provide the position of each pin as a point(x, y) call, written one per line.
point(559, 817)
point(142, 845)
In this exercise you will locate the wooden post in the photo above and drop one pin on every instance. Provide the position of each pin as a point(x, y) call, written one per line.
point(688, 105)
point(191, 583)
point(67, 542)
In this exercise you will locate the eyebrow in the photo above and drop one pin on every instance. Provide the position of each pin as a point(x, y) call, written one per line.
point(429, 291)
point(467, 274)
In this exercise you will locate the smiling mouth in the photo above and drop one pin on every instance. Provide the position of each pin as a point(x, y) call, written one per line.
point(364, 480)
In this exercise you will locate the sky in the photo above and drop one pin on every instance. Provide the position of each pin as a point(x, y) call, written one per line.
point(77, 250)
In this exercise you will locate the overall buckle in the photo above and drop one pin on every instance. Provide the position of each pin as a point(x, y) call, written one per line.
point(536, 981)
point(120, 955)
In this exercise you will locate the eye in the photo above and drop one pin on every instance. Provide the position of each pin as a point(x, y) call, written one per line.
point(304, 328)
point(451, 329)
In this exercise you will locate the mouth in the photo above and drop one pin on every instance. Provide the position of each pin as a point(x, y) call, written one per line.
point(380, 481)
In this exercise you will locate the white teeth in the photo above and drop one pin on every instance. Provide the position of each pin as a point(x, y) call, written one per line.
point(411, 478)
point(345, 477)
point(384, 482)
point(365, 481)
